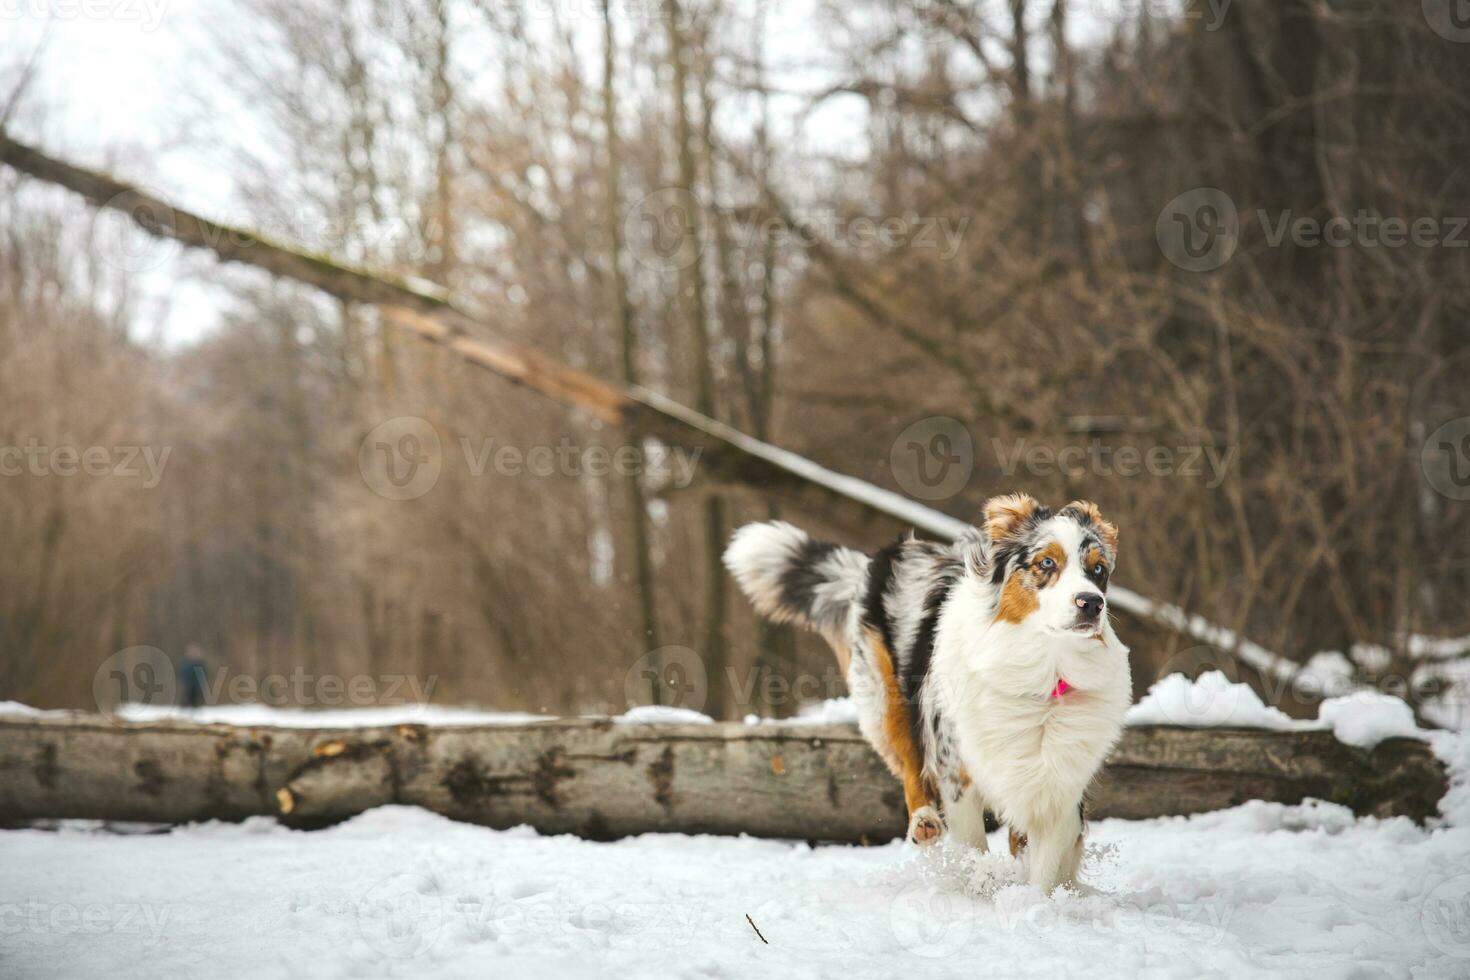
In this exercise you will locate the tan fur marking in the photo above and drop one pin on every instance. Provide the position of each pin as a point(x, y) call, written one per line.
point(1093, 556)
point(899, 733)
point(1105, 529)
point(1005, 515)
point(1017, 599)
point(1018, 843)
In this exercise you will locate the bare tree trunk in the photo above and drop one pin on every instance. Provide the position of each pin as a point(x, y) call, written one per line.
point(628, 338)
point(442, 236)
point(692, 290)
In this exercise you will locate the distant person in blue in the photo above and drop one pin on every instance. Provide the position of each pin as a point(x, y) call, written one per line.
point(192, 680)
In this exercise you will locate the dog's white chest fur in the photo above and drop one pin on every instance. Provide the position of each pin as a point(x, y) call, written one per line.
point(1029, 754)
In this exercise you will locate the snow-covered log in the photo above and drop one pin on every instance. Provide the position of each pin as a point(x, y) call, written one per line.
point(604, 779)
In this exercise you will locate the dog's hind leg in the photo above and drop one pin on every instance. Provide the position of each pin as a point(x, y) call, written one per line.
point(904, 755)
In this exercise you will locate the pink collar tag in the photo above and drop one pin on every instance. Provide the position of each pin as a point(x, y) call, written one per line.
point(1062, 688)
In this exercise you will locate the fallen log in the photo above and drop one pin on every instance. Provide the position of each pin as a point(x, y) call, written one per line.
point(602, 779)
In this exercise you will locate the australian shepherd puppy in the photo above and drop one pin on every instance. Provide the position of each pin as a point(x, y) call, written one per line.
point(986, 672)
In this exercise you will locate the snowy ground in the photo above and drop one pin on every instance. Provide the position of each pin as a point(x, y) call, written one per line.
point(1259, 890)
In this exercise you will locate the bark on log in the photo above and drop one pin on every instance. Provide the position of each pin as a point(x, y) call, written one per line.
point(602, 780)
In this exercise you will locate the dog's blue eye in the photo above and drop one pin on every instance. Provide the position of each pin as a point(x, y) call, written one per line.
point(1097, 569)
point(1048, 563)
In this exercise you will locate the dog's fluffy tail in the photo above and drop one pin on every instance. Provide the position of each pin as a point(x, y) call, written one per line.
point(792, 579)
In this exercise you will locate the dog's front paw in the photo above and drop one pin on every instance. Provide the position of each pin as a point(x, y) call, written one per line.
point(925, 826)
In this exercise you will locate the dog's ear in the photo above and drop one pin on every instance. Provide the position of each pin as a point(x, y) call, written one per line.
point(1087, 512)
point(1006, 516)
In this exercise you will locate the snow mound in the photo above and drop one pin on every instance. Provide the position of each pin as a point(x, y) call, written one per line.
point(659, 714)
point(832, 711)
point(1363, 718)
point(1211, 701)
point(1366, 718)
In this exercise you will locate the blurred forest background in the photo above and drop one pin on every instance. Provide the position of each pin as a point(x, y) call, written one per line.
point(509, 151)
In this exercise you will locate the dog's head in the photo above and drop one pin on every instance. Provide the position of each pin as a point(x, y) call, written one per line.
point(1050, 570)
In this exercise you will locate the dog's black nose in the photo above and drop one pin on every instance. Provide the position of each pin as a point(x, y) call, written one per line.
point(1090, 604)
